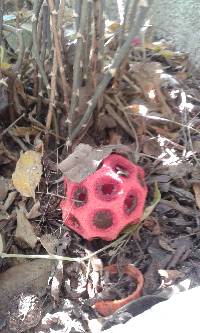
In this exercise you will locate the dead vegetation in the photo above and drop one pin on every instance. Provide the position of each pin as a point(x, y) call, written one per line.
point(70, 76)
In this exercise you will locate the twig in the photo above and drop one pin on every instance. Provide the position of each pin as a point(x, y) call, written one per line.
point(121, 9)
point(18, 141)
point(131, 17)
point(57, 42)
point(77, 10)
point(1, 21)
point(88, 34)
point(52, 94)
point(169, 121)
point(101, 37)
point(61, 13)
point(119, 120)
point(123, 27)
point(97, 40)
point(56, 257)
point(11, 125)
point(76, 71)
point(139, 20)
point(119, 57)
point(36, 10)
point(43, 36)
point(129, 122)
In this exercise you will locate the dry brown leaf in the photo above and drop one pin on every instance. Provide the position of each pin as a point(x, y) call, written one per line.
point(152, 148)
point(106, 121)
point(24, 230)
point(165, 244)
point(57, 281)
point(169, 276)
point(83, 161)
point(28, 173)
point(23, 131)
point(49, 242)
point(196, 189)
point(21, 278)
point(3, 188)
point(114, 138)
point(86, 159)
point(34, 212)
point(152, 224)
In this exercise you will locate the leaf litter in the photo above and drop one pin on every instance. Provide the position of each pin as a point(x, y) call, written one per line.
point(149, 113)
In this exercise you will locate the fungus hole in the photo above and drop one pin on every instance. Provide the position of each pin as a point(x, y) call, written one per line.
point(80, 196)
point(107, 189)
point(103, 219)
point(121, 170)
point(130, 203)
point(74, 221)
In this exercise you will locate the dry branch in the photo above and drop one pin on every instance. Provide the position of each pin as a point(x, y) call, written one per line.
point(119, 57)
point(57, 43)
point(77, 66)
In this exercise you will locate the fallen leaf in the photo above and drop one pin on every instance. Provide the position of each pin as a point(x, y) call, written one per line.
point(151, 223)
point(83, 162)
point(24, 230)
point(34, 212)
point(105, 121)
point(112, 26)
point(32, 275)
point(57, 281)
point(3, 188)
point(49, 242)
point(196, 189)
point(9, 200)
point(97, 270)
point(165, 244)
point(114, 138)
point(152, 148)
point(24, 131)
point(169, 276)
point(27, 173)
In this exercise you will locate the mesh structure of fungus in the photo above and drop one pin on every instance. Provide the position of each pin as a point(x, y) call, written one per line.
point(106, 201)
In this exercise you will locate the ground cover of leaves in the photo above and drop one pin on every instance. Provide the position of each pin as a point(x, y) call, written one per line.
point(151, 108)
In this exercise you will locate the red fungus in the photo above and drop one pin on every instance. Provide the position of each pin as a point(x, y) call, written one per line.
point(107, 200)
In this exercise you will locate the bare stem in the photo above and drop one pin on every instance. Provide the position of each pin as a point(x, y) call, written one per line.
point(1, 21)
point(52, 93)
point(65, 86)
point(132, 15)
point(87, 50)
point(119, 57)
point(96, 43)
point(36, 11)
point(77, 9)
point(77, 67)
point(123, 26)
